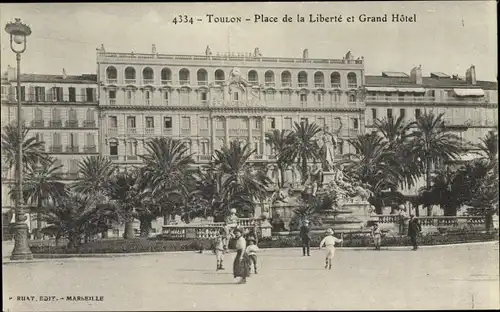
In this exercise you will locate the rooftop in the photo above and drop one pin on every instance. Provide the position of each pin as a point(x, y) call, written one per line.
point(84, 78)
point(381, 81)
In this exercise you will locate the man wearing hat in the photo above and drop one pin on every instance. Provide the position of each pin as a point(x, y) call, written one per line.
point(414, 230)
point(305, 235)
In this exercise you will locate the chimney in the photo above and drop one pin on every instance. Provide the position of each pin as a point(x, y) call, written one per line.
point(470, 75)
point(305, 54)
point(64, 73)
point(11, 73)
point(153, 49)
point(416, 75)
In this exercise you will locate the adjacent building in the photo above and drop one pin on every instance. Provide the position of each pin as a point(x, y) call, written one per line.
point(59, 110)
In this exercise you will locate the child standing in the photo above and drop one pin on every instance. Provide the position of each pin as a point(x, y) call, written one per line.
point(377, 236)
point(220, 244)
point(329, 241)
point(252, 252)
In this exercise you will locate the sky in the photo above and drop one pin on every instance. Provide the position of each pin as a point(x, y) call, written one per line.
point(447, 37)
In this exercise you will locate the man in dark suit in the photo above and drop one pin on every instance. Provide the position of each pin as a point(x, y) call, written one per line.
point(305, 235)
point(414, 230)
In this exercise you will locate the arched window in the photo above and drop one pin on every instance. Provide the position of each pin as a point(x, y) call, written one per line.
point(319, 80)
point(184, 78)
point(219, 76)
point(253, 77)
point(269, 78)
point(335, 80)
point(202, 77)
point(111, 74)
point(129, 75)
point(286, 79)
point(166, 76)
point(302, 79)
point(352, 81)
point(148, 76)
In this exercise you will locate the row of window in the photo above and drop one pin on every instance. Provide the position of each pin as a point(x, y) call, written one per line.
point(389, 113)
point(54, 94)
point(235, 96)
point(72, 141)
point(233, 123)
point(220, 75)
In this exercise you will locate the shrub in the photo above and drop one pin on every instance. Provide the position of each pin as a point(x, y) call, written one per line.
point(350, 240)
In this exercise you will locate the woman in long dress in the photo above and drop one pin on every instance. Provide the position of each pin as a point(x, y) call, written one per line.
point(241, 265)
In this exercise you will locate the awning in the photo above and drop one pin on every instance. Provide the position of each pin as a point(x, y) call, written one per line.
point(469, 92)
point(411, 90)
point(381, 89)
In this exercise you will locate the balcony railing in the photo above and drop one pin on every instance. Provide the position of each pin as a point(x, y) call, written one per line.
point(353, 132)
point(270, 84)
point(204, 132)
point(131, 130)
point(71, 123)
point(148, 81)
point(37, 123)
point(89, 124)
point(185, 131)
point(150, 130)
point(202, 82)
point(220, 132)
point(55, 123)
point(55, 149)
point(167, 131)
point(72, 175)
point(130, 81)
point(335, 85)
point(147, 101)
point(112, 101)
point(319, 84)
point(303, 84)
point(238, 132)
point(286, 84)
point(303, 103)
point(166, 81)
point(253, 82)
point(90, 149)
point(72, 149)
point(112, 80)
point(352, 85)
point(132, 157)
point(184, 82)
point(113, 130)
point(204, 157)
point(113, 157)
point(219, 81)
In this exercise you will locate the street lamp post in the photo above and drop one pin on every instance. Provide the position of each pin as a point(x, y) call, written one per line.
point(18, 33)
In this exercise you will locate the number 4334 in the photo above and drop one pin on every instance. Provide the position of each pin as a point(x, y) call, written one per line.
point(183, 19)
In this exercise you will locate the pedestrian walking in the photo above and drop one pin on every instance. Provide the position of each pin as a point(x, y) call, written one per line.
point(377, 236)
point(252, 253)
point(241, 261)
point(329, 242)
point(414, 230)
point(305, 235)
point(219, 249)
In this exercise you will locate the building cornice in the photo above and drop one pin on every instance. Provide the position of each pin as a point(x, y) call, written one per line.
point(229, 109)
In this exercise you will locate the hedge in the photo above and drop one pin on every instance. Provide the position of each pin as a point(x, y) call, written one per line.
point(355, 240)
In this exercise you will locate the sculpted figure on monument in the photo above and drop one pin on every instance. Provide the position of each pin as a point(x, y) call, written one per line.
point(327, 145)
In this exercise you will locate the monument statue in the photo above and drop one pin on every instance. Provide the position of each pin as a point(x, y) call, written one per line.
point(327, 145)
point(316, 178)
point(208, 51)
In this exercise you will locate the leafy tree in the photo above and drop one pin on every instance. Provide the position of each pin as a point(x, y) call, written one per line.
point(303, 146)
point(280, 140)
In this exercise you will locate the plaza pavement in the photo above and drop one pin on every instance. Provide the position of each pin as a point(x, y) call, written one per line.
point(447, 277)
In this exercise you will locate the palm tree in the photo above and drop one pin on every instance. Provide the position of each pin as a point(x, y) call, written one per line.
point(33, 151)
point(489, 146)
point(303, 146)
point(95, 172)
point(397, 133)
point(41, 184)
point(279, 140)
point(242, 182)
point(434, 143)
point(166, 165)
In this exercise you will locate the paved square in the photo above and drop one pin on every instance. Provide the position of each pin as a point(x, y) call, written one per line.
point(452, 277)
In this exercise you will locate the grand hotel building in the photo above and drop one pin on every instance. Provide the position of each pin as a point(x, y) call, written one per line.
point(210, 100)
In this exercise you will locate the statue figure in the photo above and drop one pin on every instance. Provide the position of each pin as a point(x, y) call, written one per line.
point(282, 194)
point(257, 53)
point(327, 144)
point(208, 51)
point(316, 178)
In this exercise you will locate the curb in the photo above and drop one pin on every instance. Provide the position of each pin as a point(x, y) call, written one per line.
point(45, 257)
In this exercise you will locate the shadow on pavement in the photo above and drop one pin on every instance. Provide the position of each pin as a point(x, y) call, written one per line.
point(206, 283)
point(193, 270)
